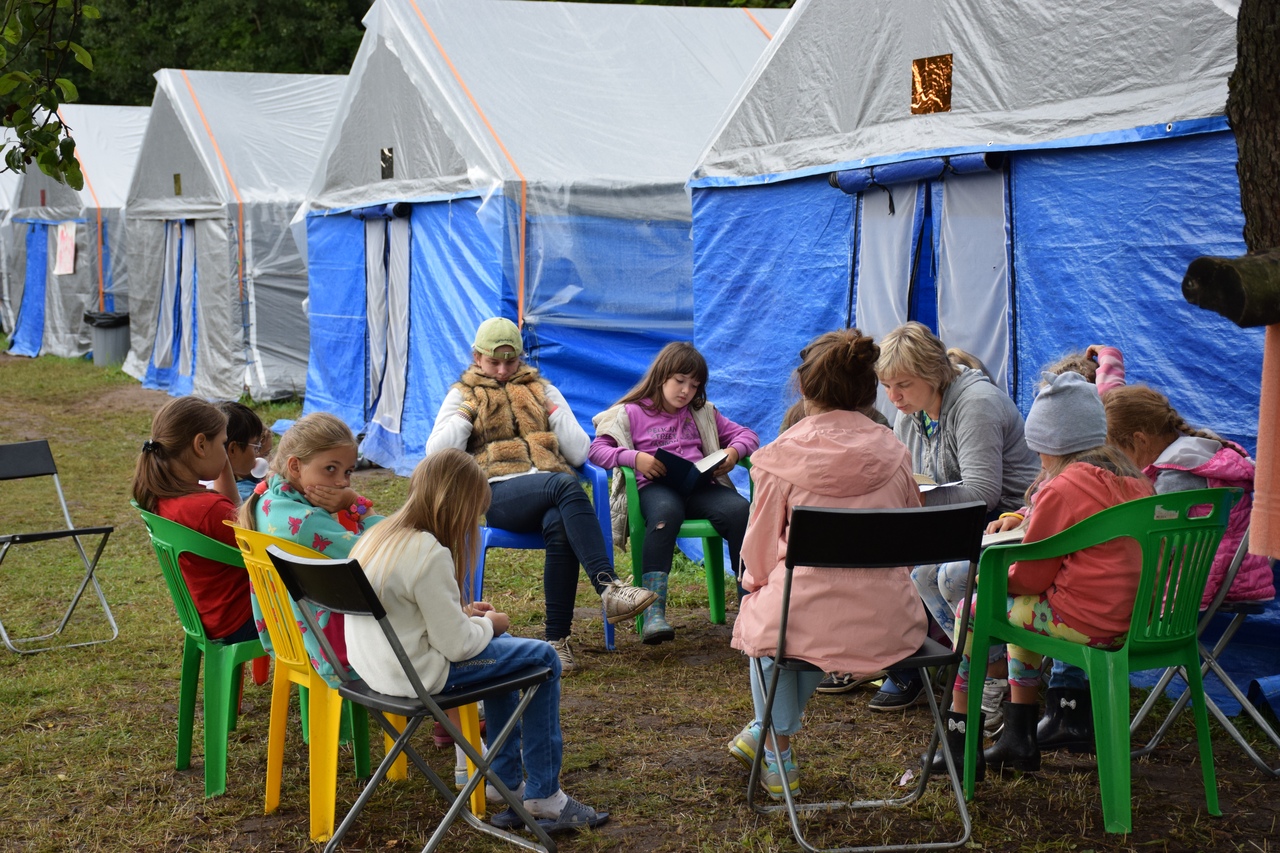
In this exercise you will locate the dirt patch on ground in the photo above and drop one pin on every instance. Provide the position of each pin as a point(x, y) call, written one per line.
point(129, 398)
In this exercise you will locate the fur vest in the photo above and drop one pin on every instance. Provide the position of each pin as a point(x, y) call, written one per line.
point(512, 430)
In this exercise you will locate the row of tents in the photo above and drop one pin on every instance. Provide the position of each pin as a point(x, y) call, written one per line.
point(616, 177)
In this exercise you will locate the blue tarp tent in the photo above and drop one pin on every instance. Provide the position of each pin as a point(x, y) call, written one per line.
point(518, 159)
point(1027, 183)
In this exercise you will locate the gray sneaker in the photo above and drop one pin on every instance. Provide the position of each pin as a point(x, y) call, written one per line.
point(624, 601)
point(994, 692)
point(565, 653)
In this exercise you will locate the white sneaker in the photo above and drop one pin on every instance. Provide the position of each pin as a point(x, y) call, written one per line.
point(561, 646)
point(624, 601)
point(994, 692)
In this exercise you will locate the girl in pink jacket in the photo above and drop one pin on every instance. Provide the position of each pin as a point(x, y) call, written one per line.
point(855, 620)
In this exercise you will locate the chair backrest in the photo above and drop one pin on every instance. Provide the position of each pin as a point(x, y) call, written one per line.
point(1178, 548)
point(836, 538)
point(26, 459)
point(273, 598)
point(829, 537)
point(341, 586)
point(170, 540)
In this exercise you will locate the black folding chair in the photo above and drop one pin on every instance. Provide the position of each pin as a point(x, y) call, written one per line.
point(341, 586)
point(822, 537)
point(1239, 611)
point(25, 460)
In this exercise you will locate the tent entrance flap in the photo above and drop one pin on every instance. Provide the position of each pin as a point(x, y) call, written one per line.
point(172, 366)
point(28, 329)
point(387, 298)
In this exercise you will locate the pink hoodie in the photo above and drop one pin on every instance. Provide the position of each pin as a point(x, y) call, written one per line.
point(843, 620)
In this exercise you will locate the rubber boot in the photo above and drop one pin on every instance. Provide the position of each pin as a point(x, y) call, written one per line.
point(1016, 748)
point(656, 629)
point(957, 723)
point(1068, 721)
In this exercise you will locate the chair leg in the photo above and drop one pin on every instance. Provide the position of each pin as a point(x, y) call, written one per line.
point(281, 687)
point(261, 670)
point(219, 694)
point(325, 722)
point(189, 685)
point(469, 723)
point(399, 771)
point(713, 564)
point(1202, 732)
point(356, 717)
point(1110, 678)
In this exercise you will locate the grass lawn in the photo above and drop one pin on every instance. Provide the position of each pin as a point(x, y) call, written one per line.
point(88, 735)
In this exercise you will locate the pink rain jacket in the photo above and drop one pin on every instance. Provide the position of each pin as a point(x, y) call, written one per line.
point(843, 620)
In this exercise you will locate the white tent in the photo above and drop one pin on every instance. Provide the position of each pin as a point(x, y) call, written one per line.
point(218, 283)
point(1026, 178)
point(67, 254)
point(515, 158)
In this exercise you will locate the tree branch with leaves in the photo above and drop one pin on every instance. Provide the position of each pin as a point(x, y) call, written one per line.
point(36, 51)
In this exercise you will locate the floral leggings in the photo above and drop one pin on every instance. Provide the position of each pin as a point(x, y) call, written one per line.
point(1034, 613)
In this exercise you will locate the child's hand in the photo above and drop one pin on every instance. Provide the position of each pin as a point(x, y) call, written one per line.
point(649, 465)
point(1093, 350)
point(1000, 525)
point(730, 460)
point(330, 499)
point(500, 622)
point(479, 607)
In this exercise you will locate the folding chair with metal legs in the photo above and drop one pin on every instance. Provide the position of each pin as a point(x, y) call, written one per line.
point(341, 586)
point(30, 459)
point(821, 537)
point(1239, 611)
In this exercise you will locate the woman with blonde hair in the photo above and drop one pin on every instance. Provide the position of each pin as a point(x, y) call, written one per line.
point(964, 432)
point(418, 561)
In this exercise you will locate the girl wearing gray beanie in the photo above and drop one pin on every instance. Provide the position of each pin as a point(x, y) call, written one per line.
point(1085, 597)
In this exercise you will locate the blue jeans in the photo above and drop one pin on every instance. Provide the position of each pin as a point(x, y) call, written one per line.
point(793, 693)
point(665, 509)
point(537, 734)
point(555, 506)
point(1068, 675)
point(942, 587)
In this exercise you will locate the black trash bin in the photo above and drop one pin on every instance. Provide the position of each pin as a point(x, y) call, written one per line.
point(110, 337)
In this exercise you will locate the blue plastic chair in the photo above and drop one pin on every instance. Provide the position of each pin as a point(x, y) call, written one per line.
point(496, 537)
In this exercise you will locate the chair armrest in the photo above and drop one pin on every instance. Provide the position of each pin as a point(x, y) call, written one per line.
point(598, 478)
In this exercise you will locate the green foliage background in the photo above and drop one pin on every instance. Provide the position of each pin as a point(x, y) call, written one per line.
point(134, 38)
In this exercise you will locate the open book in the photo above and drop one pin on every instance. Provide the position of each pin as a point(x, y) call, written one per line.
point(1004, 537)
point(926, 483)
point(685, 476)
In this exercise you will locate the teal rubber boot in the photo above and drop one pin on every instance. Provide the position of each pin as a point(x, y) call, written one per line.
point(656, 628)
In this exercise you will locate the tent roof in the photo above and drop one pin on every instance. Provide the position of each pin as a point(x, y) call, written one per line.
point(469, 94)
point(230, 134)
point(108, 139)
point(834, 89)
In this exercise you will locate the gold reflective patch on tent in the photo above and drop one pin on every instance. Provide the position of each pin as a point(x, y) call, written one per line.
point(931, 84)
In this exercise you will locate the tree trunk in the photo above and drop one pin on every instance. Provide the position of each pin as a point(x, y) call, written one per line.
point(1244, 290)
point(1253, 108)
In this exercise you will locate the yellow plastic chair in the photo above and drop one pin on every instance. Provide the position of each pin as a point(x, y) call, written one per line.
point(324, 707)
point(1177, 551)
point(692, 528)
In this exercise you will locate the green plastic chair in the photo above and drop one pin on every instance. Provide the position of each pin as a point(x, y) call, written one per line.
point(223, 663)
point(692, 528)
point(1177, 552)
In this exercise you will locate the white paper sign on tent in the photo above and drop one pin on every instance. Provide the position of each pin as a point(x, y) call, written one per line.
point(65, 262)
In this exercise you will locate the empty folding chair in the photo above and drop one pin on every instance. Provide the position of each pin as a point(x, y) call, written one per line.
point(25, 460)
point(341, 586)
point(827, 538)
point(1239, 611)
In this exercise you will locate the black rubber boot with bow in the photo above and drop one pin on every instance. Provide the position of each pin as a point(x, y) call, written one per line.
point(957, 725)
point(1068, 721)
point(1017, 748)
